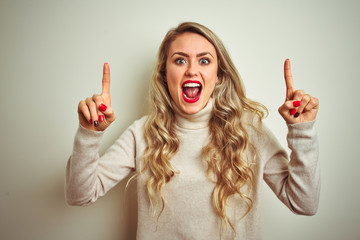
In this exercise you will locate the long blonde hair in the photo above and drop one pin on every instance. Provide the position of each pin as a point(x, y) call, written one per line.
point(230, 169)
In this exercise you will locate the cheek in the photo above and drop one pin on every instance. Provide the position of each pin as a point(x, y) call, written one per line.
point(211, 88)
point(212, 78)
point(172, 83)
point(173, 76)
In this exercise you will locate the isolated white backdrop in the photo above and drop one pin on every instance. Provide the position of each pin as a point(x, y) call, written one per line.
point(51, 56)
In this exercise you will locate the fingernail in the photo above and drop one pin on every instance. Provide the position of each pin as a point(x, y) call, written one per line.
point(296, 115)
point(292, 111)
point(96, 123)
point(296, 103)
point(102, 107)
point(101, 118)
point(90, 121)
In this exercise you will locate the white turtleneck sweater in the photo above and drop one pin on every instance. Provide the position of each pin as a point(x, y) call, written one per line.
point(189, 213)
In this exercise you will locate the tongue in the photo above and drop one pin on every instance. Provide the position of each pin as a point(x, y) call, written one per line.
point(191, 92)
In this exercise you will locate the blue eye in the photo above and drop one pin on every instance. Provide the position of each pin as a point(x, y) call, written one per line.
point(180, 61)
point(204, 61)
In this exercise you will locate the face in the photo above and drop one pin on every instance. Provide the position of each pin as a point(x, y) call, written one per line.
point(191, 72)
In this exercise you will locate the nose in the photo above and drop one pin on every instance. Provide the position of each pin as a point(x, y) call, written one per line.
point(191, 70)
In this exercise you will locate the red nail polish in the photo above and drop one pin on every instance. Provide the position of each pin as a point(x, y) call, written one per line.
point(292, 111)
point(101, 118)
point(296, 103)
point(102, 107)
point(90, 121)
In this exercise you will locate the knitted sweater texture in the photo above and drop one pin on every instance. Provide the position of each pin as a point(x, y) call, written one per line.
point(189, 213)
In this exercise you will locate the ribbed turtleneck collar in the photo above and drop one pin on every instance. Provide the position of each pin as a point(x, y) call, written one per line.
point(194, 121)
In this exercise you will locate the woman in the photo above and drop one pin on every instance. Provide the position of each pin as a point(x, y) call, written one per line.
point(200, 156)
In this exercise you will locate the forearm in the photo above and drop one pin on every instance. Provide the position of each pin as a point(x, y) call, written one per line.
point(296, 182)
point(81, 170)
point(303, 186)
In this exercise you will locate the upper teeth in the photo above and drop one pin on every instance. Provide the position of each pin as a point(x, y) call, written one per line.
point(192, 85)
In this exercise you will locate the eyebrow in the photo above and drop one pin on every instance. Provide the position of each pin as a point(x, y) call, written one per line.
point(197, 55)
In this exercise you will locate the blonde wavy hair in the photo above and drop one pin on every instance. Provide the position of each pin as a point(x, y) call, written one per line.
point(229, 168)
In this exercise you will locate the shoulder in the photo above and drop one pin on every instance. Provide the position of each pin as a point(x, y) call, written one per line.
point(132, 137)
point(139, 123)
point(259, 134)
point(252, 122)
point(137, 127)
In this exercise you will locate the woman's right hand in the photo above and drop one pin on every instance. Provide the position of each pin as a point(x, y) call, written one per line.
point(95, 113)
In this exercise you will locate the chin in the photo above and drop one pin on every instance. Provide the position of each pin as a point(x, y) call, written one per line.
point(193, 109)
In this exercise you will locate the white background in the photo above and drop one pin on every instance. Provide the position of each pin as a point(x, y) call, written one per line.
point(51, 56)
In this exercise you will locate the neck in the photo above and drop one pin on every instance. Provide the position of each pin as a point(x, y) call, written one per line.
point(194, 121)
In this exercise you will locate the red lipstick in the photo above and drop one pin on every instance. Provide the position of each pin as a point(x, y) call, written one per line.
point(189, 88)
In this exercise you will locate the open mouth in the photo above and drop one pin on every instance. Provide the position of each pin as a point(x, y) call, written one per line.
point(191, 91)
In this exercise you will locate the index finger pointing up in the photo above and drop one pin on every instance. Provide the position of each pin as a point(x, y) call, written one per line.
point(288, 80)
point(106, 80)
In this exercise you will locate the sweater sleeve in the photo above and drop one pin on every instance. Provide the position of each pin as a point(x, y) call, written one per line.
point(296, 182)
point(89, 176)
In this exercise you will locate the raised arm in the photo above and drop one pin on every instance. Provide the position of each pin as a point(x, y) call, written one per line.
point(89, 176)
point(296, 182)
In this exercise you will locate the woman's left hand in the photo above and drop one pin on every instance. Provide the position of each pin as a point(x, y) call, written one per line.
point(298, 107)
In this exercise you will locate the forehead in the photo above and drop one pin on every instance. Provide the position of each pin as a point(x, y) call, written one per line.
point(191, 43)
